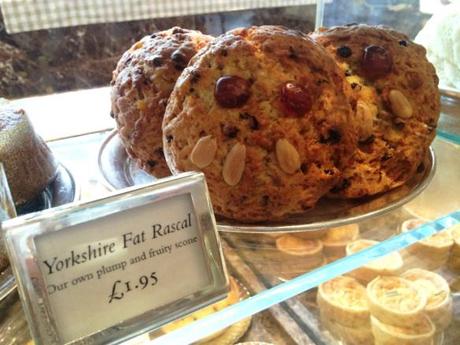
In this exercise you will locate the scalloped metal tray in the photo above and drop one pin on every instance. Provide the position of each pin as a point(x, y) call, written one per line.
point(119, 171)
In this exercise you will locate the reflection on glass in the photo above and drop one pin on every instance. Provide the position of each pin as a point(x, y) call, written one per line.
point(7, 210)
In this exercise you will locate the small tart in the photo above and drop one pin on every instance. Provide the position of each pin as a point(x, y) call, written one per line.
point(394, 300)
point(420, 332)
point(442, 240)
point(439, 302)
point(336, 239)
point(430, 253)
point(297, 256)
point(343, 300)
point(437, 245)
point(349, 335)
point(390, 264)
point(293, 245)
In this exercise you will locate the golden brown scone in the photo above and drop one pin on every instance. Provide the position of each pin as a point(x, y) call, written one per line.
point(141, 85)
point(395, 97)
point(262, 112)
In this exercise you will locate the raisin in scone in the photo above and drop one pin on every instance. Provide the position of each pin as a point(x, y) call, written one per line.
point(394, 93)
point(141, 85)
point(262, 112)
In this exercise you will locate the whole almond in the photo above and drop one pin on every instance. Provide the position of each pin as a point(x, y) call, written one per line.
point(365, 114)
point(287, 155)
point(234, 164)
point(204, 151)
point(399, 104)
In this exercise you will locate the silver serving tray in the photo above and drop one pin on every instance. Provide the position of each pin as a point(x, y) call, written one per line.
point(449, 92)
point(119, 171)
point(61, 191)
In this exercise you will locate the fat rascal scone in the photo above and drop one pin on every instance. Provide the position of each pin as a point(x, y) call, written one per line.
point(395, 97)
point(141, 85)
point(262, 112)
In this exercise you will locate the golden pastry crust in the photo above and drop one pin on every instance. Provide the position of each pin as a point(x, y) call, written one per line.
point(343, 300)
point(390, 264)
point(394, 300)
point(420, 332)
point(439, 301)
point(396, 102)
point(295, 246)
point(141, 85)
point(361, 335)
point(297, 255)
point(430, 253)
point(263, 114)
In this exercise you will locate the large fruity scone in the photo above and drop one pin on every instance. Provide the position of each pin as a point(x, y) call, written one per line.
point(262, 112)
point(395, 97)
point(141, 85)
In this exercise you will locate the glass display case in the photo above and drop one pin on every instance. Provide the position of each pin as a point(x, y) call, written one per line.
point(380, 270)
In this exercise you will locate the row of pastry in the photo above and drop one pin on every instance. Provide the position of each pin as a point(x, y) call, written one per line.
point(304, 251)
point(381, 304)
point(413, 308)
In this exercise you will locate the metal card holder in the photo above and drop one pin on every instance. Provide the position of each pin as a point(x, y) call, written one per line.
point(31, 238)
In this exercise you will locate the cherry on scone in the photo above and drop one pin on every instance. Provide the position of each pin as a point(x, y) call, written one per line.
point(376, 62)
point(232, 91)
point(296, 99)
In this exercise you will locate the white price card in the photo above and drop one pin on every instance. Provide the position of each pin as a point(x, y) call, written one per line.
point(111, 269)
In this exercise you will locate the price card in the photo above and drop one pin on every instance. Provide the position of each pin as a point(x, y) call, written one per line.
point(111, 269)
